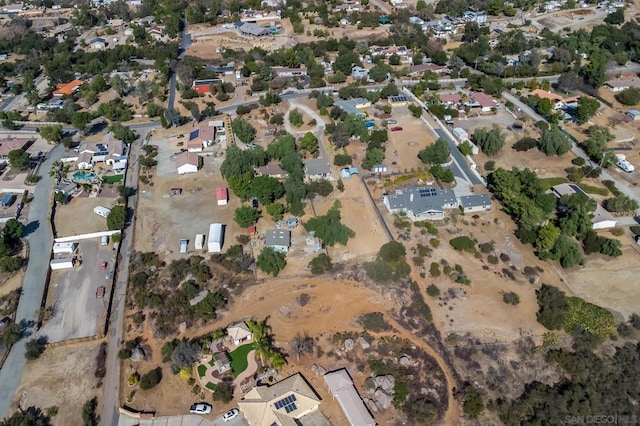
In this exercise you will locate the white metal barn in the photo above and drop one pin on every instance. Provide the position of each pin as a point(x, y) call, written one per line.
point(216, 236)
point(64, 248)
point(61, 264)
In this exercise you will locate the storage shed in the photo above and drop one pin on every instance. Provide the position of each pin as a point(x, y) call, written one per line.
point(61, 264)
point(199, 242)
point(60, 248)
point(101, 211)
point(222, 195)
point(216, 238)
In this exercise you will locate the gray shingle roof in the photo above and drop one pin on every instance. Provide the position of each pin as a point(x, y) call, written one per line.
point(468, 201)
point(422, 200)
point(316, 166)
point(278, 237)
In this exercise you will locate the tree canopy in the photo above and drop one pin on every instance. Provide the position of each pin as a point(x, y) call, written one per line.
point(329, 228)
point(246, 216)
point(554, 142)
point(437, 153)
point(243, 130)
point(271, 261)
point(489, 141)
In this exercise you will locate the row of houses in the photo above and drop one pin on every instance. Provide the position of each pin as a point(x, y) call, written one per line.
point(431, 203)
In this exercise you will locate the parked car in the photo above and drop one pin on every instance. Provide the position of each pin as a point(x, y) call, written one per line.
point(254, 203)
point(103, 265)
point(100, 292)
point(396, 129)
point(392, 121)
point(251, 145)
point(231, 414)
point(201, 408)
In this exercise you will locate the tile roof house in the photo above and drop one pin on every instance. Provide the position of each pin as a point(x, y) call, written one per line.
point(619, 85)
point(418, 70)
point(187, 162)
point(559, 101)
point(428, 202)
point(317, 169)
point(342, 388)
point(67, 89)
point(10, 144)
point(450, 98)
point(201, 138)
point(482, 100)
point(110, 152)
point(281, 404)
point(239, 333)
point(278, 239)
point(273, 170)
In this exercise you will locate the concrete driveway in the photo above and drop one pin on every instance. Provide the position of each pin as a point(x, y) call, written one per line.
point(185, 420)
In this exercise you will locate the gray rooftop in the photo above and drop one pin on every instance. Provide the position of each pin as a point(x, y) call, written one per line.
point(422, 200)
point(254, 29)
point(349, 105)
point(278, 237)
point(477, 200)
point(316, 166)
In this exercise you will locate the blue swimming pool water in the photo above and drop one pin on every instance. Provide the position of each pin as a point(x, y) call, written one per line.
point(83, 175)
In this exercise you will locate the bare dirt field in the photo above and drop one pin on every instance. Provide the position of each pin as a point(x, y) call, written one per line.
point(67, 369)
point(72, 295)
point(78, 217)
point(10, 282)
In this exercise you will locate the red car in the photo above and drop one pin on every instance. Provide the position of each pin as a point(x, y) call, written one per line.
point(396, 129)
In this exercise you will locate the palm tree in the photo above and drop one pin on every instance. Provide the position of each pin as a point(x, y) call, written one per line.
point(262, 348)
point(55, 169)
point(277, 360)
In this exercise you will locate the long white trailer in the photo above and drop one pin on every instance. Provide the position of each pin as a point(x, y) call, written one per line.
point(216, 237)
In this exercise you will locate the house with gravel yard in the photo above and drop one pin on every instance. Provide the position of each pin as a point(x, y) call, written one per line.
point(602, 219)
point(278, 239)
point(291, 401)
point(201, 138)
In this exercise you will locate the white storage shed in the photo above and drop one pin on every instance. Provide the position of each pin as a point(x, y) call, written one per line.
point(61, 264)
point(60, 248)
point(216, 237)
point(199, 241)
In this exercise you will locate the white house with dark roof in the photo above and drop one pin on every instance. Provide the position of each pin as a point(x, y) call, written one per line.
point(428, 202)
point(317, 169)
point(475, 203)
point(289, 72)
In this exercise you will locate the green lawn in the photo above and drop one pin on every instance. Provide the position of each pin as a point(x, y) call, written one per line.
point(239, 360)
point(210, 386)
point(202, 370)
point(112, 179)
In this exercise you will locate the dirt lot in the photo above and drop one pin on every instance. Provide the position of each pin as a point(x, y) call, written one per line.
point(67, 369)
point(78, 217)
point(72, 294)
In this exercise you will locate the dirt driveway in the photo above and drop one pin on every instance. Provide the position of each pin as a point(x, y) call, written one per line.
point(72, 293)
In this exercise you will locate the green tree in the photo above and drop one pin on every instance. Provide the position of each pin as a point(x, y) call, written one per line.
point(392, 252)
point(437, 153)
point(415, 110)
point(123, 133)
point(99, 84)
point(630, 96)
point(620, 203)
point(151, 379)
point(587, 108)
point(309, 143)
point(32, 416)
point(19, 159)
point(33, 349)
point(266, 189)
point(246, 216)
point(472, 404)
point(329, 228)
point(271, 261)
point(554, 142)
point(241, 185)
point(320, 264)
point(295, 117)
point(276, 211)
point(52, 133)
point(615, 18)
point(342, 160)
point(595, 70)
point(10, 335)
point(117, 218)
point(547, 237)
point(243, 130)
point(10, 263)
point(80, 120)
point(13, 230)
point(489, 141)
point(379, 73)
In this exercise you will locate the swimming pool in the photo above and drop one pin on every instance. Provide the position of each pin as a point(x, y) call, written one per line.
point(84, 175)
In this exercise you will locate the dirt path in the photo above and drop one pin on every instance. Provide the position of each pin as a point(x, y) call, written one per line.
point(452, 415)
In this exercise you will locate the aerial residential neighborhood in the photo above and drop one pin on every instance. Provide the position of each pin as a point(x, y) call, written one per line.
point(369, 212)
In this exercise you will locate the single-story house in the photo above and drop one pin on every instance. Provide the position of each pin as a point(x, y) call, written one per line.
point(222, 70)
point(342, 388)
point(358, 72)
point(475, 203)
point(400, 100)
point(11, 144)
point(451, 98)
point(65, 188)
point(353, 106)
point(618, 85)
point(67, 89)
point(390, 50)
point(239, 333)
point(420, 69)
point(272, 170)
point(278, 239)
point(317, 169)
point(109, 151)
point(634, 114)
point(252, 30)
point(482, 100)
point(156, 31)
point(204, 86)
point(602, 219)
point(428, 202)
point(12, 9)
point(201, 138)
point(289, 72)
point(284, 403)
point(187, 162)
point(222, 195)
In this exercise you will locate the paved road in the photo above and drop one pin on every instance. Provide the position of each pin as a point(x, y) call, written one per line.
point(185, 420)
point(629, 191)
point(185, 43)
point(40, 241)
point(112, 379)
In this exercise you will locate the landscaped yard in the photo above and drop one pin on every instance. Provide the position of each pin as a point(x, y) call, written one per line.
point(202, 370)
point(239, 360)
point(112, 179)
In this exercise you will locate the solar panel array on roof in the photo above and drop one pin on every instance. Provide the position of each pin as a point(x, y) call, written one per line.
point(427, 192)
point(194, 134)
point(288, 403)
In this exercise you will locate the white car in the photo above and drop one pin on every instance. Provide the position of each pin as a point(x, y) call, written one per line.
point(201, 408)
point(231, 414)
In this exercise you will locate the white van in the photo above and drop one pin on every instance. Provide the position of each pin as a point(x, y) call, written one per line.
point(105, 240)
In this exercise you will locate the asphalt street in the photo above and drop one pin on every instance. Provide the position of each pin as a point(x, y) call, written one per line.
point(40, 240)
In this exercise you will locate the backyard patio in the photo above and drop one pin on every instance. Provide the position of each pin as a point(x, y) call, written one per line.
point(242, 363)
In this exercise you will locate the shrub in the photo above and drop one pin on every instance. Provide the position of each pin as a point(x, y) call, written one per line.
point(490, 165)
point(374, 321)
point(578, 161)
point(525, 144)
point(433, 291)
point(151, 379)
point(511, 298)
point(463, 243)
point(492, 259)
point(434, 269)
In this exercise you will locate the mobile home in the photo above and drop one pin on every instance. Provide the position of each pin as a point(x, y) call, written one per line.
point(61, 264)
point(101, 211)
point(216, 237)
point(60, 248)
